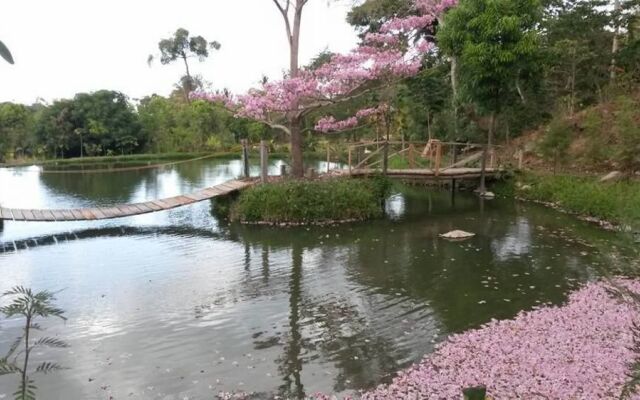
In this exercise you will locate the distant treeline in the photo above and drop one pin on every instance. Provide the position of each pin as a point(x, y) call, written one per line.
point(575, 66)
point(106, 123)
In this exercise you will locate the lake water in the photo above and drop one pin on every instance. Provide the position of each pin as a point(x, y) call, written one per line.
point(179, 304)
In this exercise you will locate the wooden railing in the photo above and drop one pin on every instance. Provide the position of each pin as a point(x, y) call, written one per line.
point(435, 155)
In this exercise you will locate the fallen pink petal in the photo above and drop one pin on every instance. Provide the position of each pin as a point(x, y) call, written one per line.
point(581, 350)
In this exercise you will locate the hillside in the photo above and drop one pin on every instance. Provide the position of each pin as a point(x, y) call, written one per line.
point(598, 139)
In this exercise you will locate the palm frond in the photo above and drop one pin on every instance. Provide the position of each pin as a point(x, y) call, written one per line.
point(14, 346)
point(47, 367)
point(7, 368)
point(50, 342)
point(18, 290)
point(26, 391)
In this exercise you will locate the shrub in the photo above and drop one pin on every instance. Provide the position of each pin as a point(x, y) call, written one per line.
point(312, 202)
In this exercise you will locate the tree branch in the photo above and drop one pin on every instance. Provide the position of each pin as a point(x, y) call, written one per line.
point(284, 10)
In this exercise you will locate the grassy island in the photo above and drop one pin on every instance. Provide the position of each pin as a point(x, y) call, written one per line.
point(302, 202)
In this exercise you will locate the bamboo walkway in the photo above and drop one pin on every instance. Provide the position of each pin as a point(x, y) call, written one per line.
point(123, 210)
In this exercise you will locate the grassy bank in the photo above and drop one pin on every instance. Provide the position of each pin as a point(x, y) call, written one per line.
point(312, 202)
point(615, 202)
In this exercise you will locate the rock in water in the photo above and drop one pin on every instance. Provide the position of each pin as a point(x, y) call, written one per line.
point(487, 195)
point(457, 235)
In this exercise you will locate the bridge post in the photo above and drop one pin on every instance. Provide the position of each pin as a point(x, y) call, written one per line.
point(264, 161)
point(385, 159)
point(412, 156)
point(245, 158)
point(328, 157)
point(349, 160)
point(438, 158)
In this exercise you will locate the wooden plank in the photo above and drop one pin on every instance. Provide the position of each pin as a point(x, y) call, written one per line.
point(184, 200)
point(142, 208)
point(171, 202)
point(77, 214)
point(126, 210)
point(193, 197)
point(227, 188)
point(58, 215)
point(110, 212)
point(37, 215)
point(68, 215)
point(161, 204)
point(214, 191)
point(17, 214)
point(5, 214)
point(28, 215)
point(152, 206)
point(87, 214)
point(97, 213)
point(48, 215)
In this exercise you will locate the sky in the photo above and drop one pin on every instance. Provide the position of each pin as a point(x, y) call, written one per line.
point(62, 47)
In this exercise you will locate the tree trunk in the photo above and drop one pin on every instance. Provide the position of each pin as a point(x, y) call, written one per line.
point(616, 41)
point(185, 90)
point(492, 121)
point(295, 123)
point(297, 163)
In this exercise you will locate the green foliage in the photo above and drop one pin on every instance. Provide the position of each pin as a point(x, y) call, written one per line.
point(170, 125)
point(16, 129)
point(98, 123)
point(556, 141)
point(310, 202)
point(497, 44)
point(181, 45)
point(371, 14)
point(618, 202)
point(29, 305)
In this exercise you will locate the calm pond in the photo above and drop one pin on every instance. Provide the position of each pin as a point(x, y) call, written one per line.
point(178, 304)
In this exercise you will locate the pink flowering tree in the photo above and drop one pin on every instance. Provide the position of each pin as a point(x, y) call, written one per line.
point(382, 58)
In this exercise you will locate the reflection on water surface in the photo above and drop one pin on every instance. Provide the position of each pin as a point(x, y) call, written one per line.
point(178, 304)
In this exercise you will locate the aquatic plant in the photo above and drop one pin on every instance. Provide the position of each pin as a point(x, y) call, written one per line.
point(31, 306)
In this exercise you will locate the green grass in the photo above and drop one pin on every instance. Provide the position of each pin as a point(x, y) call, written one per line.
point(616, 202)
point(312, 202)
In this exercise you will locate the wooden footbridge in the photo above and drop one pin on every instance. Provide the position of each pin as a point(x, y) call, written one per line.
point(431, 163)
point(123, 210)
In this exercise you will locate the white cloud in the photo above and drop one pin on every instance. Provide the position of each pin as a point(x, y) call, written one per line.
point(63, 47)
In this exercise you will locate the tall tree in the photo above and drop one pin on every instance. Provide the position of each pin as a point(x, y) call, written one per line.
point(291, 11)
point(496, 42)
point(181, 46)
point(382, 59)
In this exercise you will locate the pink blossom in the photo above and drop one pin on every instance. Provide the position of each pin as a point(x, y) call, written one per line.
point(382, 56)
point(581, 350)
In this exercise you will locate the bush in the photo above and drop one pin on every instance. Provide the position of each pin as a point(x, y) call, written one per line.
point(312, 202)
